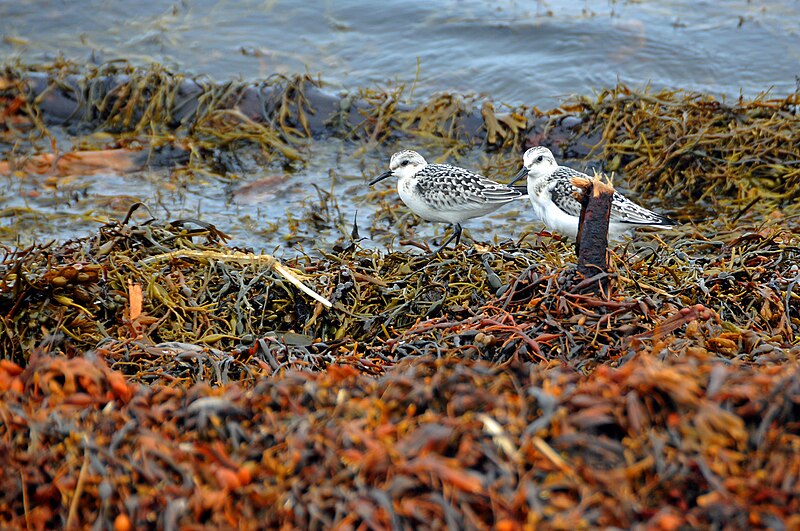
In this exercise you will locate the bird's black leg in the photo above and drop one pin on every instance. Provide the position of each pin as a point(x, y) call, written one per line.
point(455, 236)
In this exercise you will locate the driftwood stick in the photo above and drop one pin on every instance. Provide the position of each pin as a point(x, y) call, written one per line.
point(269, 260)
point(592, 242)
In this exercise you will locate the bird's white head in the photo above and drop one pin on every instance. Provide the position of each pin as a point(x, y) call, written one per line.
point(404, 164)
point(538, 162)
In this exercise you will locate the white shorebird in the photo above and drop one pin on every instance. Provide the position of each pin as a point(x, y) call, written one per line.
point(444, 193)
point(554, 195)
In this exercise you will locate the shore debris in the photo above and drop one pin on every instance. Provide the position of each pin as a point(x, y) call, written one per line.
point(592, 242)
point(151, 375)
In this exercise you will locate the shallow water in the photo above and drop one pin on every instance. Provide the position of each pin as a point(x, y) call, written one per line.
point(517, 52)
point(270, 209)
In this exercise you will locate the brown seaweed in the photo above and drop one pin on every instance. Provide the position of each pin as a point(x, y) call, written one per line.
point(154, 376)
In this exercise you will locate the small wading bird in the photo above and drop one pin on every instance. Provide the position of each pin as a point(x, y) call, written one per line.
point(554, 194)
point(444, 193)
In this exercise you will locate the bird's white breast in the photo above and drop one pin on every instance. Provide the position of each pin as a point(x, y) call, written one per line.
point(555, 219)
point(440, 211)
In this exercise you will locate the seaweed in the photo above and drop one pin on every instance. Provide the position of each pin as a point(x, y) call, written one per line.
point(154, 375)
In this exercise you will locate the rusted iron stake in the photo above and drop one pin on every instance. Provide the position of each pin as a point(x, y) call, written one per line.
point(592, 242)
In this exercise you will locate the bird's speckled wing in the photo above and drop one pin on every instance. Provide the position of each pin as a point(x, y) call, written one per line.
point(563, 193)
point(445, 186)
point(624, 210)
point(565, 196)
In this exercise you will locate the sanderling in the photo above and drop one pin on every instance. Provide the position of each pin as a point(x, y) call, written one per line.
point(444, 193)
point(554, 196)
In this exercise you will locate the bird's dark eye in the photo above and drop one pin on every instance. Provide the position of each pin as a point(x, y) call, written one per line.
point(404, 163)
point(540, 158)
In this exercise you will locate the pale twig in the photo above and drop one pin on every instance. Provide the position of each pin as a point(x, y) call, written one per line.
point(270, 260)
point(73, 506)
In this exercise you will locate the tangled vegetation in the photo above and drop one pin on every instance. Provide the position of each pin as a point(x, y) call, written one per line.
point(153, 376)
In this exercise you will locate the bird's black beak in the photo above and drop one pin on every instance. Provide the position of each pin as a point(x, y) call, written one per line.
point(522, 173)
point(382, 176)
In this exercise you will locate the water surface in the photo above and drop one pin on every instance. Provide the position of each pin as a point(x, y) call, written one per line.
point(514, 51)
point(517, 52)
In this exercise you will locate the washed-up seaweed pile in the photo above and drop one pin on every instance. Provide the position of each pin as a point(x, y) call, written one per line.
point(155, 376)
point(279, 115)
point(204, 317)
point(383, 411)
point(687, 146)
point(686, 441)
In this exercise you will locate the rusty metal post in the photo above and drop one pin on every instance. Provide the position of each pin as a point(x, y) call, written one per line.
point(592, 242)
